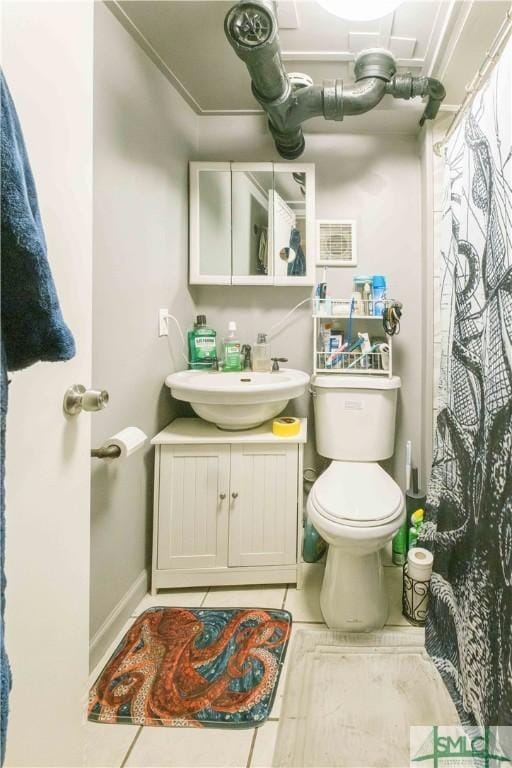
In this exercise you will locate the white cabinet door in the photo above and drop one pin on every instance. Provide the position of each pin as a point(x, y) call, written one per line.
point(263, 505)
point(193, 506)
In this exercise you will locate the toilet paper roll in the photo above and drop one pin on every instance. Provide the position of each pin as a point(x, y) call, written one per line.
point(419, 564)
point(128, 440)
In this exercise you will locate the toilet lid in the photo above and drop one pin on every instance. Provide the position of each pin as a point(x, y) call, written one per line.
point(357, 493)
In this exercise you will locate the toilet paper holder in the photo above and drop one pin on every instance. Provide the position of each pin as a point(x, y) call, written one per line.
point(415, 599)
point(106, 452)
point(121, 445)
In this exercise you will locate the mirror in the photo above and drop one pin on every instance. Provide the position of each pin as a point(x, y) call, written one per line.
point(214, 221)
point(252, 223)
point(289, 224)
point(251, 194)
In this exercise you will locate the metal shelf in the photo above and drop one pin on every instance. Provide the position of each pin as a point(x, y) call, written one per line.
point(367, 309)
point(341, 313)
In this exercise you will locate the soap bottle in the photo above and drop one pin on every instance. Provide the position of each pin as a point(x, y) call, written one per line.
point(261, 354)
point(231, 348)
point(202, 345)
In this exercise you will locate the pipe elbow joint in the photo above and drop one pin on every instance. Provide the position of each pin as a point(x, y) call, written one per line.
point(363, 95)
point(408, 87)
point(436, 93)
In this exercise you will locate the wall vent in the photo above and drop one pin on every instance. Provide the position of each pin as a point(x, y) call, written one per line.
point(336, 243)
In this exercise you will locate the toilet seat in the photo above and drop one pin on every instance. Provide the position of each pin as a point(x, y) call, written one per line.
point(357, 494)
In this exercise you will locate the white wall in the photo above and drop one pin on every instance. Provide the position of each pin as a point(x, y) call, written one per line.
point(374, 179)
point(48, 62)
point(144, 135)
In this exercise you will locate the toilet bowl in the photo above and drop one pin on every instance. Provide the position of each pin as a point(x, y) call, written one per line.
point(357, 508)
point(354, 505)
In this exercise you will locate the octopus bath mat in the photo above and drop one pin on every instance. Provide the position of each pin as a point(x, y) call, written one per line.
point(199, 667)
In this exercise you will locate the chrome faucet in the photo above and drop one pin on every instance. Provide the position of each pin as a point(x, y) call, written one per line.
point(276, 361)
point(246, 352)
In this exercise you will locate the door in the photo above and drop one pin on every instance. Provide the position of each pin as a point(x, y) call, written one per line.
point(263, 505)
point(193, 506)
point(48, 462)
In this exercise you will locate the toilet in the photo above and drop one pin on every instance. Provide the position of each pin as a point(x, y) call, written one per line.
point(355, 505)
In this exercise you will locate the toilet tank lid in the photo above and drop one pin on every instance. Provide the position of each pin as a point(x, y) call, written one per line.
point(348, 381)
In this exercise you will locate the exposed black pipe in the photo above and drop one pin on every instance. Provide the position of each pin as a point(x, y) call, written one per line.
point(251, 28)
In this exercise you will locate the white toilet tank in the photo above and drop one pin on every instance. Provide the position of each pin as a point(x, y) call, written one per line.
point(355, 416)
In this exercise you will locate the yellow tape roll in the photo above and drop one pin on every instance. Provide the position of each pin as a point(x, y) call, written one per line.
point(286, 426)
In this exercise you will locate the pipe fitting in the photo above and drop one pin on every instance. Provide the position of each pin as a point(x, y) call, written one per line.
point(374, 62)
point(408, 87)
point(333, 99)
point(289, 144)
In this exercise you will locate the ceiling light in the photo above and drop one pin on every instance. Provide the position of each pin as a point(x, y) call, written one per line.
point(360, 10)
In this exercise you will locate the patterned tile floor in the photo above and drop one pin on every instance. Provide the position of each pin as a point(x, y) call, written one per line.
point(116, 746)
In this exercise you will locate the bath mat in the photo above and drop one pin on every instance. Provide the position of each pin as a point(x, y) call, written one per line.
point(352, 699)
point(199, 667)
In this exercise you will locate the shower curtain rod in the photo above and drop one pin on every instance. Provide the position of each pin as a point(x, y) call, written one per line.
point(491, 57)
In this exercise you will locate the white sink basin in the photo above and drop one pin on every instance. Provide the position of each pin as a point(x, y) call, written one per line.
point(237, 401)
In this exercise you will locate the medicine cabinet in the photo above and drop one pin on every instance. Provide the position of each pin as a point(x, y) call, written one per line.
point(252, 224)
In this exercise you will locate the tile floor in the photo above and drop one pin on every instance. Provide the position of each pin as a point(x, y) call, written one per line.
point(117, 746)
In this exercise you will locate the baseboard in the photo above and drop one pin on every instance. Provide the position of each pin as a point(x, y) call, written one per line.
point(117, 617)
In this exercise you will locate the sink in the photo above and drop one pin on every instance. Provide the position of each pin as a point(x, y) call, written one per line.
point(237, 401)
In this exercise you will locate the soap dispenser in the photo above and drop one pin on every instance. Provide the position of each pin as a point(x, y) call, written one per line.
point(261, 354)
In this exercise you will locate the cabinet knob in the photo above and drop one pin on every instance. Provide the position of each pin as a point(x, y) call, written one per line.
point(234, 495)
point(222, 496)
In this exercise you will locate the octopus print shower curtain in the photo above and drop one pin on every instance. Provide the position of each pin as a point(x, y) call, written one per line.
point(469, 507)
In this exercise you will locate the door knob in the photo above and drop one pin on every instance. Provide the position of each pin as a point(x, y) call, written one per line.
point(77, 398)
point(234, 495)
point(222, 496)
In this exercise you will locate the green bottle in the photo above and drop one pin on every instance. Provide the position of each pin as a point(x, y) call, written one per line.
point(202, 345)
point(231, 347)
point(414, 500)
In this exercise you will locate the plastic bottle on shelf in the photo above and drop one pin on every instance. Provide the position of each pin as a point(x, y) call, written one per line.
point(379, 294)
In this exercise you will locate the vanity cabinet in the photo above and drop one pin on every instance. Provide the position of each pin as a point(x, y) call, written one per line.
point(228, 505)
point(252, 224)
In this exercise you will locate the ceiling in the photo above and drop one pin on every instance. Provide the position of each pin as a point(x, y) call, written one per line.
point(185, 38)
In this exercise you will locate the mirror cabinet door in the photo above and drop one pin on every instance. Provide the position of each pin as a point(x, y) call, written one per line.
point(252, 223)
point(251, 237)
point(210, 223)
point(291, 228)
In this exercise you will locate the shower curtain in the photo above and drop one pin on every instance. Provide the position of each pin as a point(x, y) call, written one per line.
point(469, 506)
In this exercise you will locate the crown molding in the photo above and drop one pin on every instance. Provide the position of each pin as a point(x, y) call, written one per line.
point(152, 53)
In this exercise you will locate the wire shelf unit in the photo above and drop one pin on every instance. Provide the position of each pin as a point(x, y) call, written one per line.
point(347, 320)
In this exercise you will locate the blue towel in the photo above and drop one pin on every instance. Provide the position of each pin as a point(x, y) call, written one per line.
point(297, 268)
point(32, 325)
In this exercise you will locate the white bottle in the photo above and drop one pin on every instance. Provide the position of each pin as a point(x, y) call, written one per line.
point(261, 354)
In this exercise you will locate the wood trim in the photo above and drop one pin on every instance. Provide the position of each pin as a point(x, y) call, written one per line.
point(243, 575)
